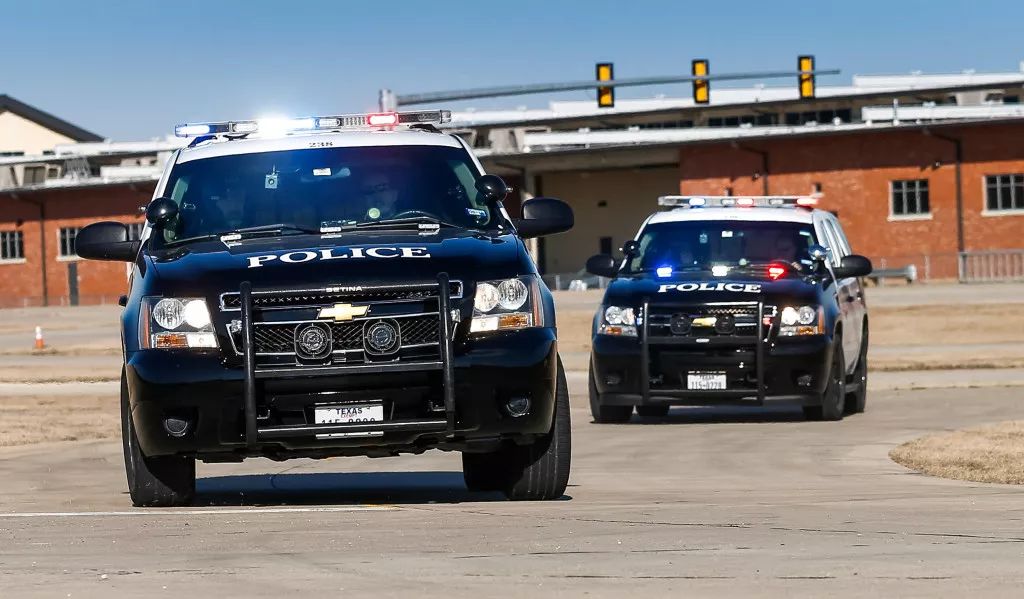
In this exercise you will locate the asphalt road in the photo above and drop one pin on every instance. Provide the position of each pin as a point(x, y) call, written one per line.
point(707, 502)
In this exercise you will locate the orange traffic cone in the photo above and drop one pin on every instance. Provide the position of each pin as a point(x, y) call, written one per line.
point(39, 338)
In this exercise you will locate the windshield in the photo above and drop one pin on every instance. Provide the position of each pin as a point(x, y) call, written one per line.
point(314, 189)
point(701, 245)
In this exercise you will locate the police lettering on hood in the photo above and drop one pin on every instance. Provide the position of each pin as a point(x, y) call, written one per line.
point(736, 287)
point(299, 256)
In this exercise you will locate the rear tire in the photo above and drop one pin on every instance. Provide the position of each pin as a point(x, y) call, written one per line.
point(857, 401)
point(833, 399)
point(162, 481)
point(652, 411)
point(538, 471)
point(605, 414)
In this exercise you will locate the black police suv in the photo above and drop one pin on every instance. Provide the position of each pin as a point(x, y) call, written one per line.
point(724, 300)
point(332, 293)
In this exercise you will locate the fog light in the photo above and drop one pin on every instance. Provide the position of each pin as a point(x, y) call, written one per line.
point(518, 406)
point(612, 378)
point(176, 427)
point(725, 324)
point(804, 380)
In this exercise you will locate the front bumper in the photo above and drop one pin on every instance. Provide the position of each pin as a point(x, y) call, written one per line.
point(454, 401)
point(653, 371)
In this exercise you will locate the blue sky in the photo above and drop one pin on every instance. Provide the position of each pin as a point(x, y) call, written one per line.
point(132, 70)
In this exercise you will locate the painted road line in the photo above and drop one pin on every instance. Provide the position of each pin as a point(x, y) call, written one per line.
point(215, 512)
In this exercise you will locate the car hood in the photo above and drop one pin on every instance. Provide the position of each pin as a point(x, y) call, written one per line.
point(698, 288)
point(365, 258)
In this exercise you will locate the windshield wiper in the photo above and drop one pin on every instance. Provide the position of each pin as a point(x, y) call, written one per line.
point(399, 223)
point(274, 228)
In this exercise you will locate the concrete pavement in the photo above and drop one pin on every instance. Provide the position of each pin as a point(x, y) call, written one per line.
point(708, 502)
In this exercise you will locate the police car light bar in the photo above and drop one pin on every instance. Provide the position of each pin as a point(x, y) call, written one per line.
point(321, 123)
point(742, 202)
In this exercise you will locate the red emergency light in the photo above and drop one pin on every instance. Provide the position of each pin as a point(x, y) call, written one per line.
point(382, 119)
point(777, 271)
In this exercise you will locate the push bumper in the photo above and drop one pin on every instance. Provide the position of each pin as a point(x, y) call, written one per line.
point(457, 402)
point(654, 371)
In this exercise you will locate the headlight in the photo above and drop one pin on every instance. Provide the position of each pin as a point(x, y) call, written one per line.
point(506, 305)
point(617, 320)
point(801, 320)
point(176, 323)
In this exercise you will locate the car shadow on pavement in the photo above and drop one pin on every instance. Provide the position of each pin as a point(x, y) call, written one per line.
point(337, 488)
point(725, 414)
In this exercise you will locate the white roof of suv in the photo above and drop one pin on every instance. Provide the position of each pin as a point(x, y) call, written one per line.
point(755, 213)
point(302, 141)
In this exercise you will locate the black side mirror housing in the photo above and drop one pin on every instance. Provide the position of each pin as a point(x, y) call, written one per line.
point(602, 265)
point(853, 266)
point(544, 216)
point(106, 241)
point(161, 210)
point(492, 189)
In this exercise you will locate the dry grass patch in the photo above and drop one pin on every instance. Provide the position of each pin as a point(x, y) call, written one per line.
point(28, 419)
point(987, 454)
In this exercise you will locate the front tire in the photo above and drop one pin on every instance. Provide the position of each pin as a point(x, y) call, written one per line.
point(539, 471)
point(605, 414)
point(833, 399)
point(161, 481)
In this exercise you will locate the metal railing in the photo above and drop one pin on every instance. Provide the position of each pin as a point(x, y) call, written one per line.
point(991, 266)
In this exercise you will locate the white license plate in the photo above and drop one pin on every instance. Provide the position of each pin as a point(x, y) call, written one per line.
point(350, 413)
point(705, 381)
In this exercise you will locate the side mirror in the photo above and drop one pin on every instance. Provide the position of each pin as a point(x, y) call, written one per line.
point(106, 241)
point(492, 188)
point(602, 265)
point(161, 210)
point(630, 248)
point(543, 216)
point(853, 266)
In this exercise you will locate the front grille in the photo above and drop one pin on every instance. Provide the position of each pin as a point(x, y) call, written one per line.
point(301, 298)
point(279, 338)
point(660, 319)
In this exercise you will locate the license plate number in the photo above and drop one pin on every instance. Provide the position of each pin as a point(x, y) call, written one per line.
point(705, 381)
point(351, 413)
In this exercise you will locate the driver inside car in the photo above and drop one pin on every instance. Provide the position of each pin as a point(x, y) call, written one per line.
point(380, 196)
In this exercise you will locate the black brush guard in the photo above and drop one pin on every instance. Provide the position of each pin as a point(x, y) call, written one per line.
point(254, 434)
point(716, 342)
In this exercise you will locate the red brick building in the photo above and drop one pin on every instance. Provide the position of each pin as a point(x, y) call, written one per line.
point(863, 175)
point(930, 185)
point(39, 225)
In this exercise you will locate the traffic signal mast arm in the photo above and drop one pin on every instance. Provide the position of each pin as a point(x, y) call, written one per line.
point(540, 88)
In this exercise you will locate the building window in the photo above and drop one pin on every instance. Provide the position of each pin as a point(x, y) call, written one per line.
point(135, 231)
point(1004, 192)
point(67, 241)
point(12, 247)
point(910, 198)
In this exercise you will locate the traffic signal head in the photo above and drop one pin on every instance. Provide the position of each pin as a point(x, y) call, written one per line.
point(605, 95)
point(701, 87)
point(805, 64)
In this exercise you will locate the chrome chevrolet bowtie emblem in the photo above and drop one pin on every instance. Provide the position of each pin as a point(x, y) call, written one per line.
point(341, 312)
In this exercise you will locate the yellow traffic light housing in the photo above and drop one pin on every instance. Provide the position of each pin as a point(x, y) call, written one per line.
point(701, 87)
point(605, 95)
point(805, 64)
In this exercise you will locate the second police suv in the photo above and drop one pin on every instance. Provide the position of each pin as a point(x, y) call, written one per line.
point(341, 285)
point(731, 300)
